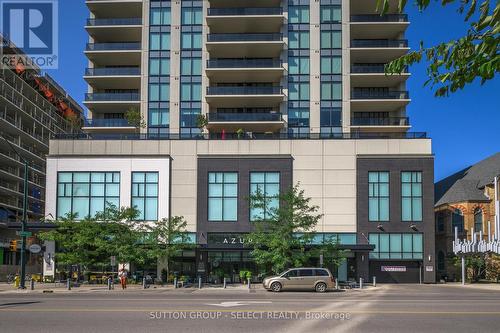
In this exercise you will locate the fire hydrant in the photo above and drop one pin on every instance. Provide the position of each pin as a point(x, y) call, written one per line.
point(17, 281)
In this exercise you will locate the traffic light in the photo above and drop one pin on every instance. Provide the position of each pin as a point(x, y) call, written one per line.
point(13, 245)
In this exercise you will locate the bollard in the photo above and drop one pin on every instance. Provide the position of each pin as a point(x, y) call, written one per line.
point(175, 283)
point(199, 283)
point(374, 281)
point(224, 283)
point(143, 283)
point(32, 284)
point(68, 283)
point(360, 283)
point(109, 283)
point(337, 284)
point(249, 286)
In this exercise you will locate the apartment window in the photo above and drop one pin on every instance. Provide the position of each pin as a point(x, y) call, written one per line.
point(267, 184)
point(159, 117)
point(159, 92)
point(298, 14)
point(331, 39)
point(411, 196)
point(457, 220)
point(223, 196)
point(189, 116)
point(331, 14)
point(331, 65)
point(478, 220)
point(298, 91)
point(159, 67)
point(145, 195)
point(298, 117)
point(298, 39)
point(87, 193)
point(192, 15)
point(190, 66)
point(397, 246)
point(378, 196)
point(190, 40)
point(298, 65)
point(159, 41)
point(330, 117)
point(331, 91)
point(160, 16)
point(191, 92)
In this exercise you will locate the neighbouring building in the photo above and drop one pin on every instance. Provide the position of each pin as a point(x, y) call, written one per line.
point(33, 107)
point(238, 95)
point(466, 201)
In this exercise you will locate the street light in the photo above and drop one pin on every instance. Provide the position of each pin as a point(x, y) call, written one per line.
point(25, 216)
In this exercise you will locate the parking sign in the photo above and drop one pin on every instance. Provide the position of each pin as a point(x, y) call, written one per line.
point(32, 26)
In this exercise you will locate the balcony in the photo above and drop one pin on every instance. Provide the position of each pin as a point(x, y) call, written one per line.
point(373, 75)
point(378, 100)
point(244, 96)
point(111, 102)
point(377, 50)
point(114, 78)
point(244, 70)
point(115, 8)
point(379, 18)
point(115, 29)
point(245, 19)
point(126, 53)
point(245, 45)
point(252, 122)
point(388, 123)
point(108, 126)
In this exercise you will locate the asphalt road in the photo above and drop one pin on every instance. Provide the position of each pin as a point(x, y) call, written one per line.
point(390, 308)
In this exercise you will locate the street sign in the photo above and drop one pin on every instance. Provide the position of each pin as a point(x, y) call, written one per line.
point(35, 248)
point(24, 233)
point(113, 260)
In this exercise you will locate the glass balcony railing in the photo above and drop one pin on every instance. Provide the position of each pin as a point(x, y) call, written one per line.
point(380, 18)
point(244, 63)
point(266, 37)
point(379, 43)
point(374, 94)
point(107, 123)
point(244, 90)
point(113, 21)
point(371, 68)
point(113, 46)
point(112, 97)
point(221, 117)
point(383, 121)
point(118, 71)
point(244, 11)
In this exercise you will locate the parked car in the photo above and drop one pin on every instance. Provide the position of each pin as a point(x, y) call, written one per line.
point(318, 279)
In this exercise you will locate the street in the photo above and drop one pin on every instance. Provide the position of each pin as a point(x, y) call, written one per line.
point(387, 308)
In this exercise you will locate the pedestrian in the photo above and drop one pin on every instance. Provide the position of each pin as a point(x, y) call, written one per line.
point(123, 277)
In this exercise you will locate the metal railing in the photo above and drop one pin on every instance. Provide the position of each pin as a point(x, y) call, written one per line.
point(260, 116)
point(89, 97)
point(375, 94)
point(118, 71)
point(371, 68)
point(245, 11)
point(245, 136)
point(380, 18)
point(379, 43)
point(113, 46)
point(264, 37)
point(237, 90)
point(385, 121)
point(244, 63)
point(106, 123)
point(114, 21)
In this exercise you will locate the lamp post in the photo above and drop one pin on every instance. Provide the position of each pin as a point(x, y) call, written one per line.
point(25, 216)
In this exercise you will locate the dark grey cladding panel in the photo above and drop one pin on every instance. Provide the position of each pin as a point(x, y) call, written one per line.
point(243, 165)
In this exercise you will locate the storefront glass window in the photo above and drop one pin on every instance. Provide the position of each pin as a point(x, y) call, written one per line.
point(145, 195)
point(396, 246)
point(268, 185)
point(223, 196)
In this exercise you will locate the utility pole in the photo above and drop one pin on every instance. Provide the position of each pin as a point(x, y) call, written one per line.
point(25, 216)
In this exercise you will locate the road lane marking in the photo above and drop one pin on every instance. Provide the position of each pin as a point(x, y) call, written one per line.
point(239, 303)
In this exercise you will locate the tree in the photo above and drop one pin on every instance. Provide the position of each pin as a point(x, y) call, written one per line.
point(166, 239)
point(493, 267)
point(283, 235)
point(475, 264)
point(134, 118)
point(456, 63)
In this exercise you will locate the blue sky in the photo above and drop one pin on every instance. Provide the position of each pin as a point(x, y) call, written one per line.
point(465, 127)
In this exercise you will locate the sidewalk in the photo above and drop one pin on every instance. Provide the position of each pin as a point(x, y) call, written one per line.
point(480, 286)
